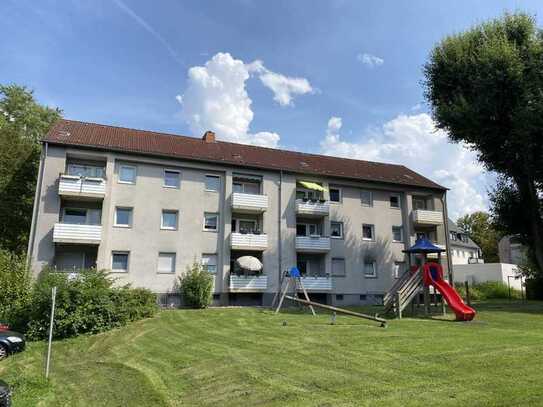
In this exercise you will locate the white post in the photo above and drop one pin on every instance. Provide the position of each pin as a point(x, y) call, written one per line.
point(53, 295)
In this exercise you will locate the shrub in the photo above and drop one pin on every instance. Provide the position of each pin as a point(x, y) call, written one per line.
point(487, 290)
point(86, 303)
point(15, 286)
point(196, 285)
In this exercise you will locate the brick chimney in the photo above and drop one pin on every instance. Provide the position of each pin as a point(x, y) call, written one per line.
point(209, 137)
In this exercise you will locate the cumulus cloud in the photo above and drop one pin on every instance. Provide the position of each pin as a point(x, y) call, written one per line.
point(370, 60)
point(216, 99)
point(414, 141)
point(284, 88)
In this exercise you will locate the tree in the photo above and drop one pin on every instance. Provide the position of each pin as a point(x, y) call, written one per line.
point(485, 87)
point(481, 230)
point(22, 124)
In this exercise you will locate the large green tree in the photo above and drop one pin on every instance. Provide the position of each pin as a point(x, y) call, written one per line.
point(485, 87)
point(479, 227)
point(22, 123)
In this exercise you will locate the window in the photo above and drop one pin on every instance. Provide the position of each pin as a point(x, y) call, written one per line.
point(169, 220)
point(209, 263)
point(127, 174)
point(338, 267)
point(303, 266)
point(452, 235)
point(308, 229)
point(123, 217)
point(369, 269)
point(368, 232)
point(119, 262)
point(83, 170)
point(419, 203)
point(362, 297)
point(166, 262)
point(397, 234)
point(366, 197)
point(421, 235)
point(244, 226)
point(336, 230)
point(213, 183)
point(82, 216)
point(339, 297)
point(211, 221)
point(335, 195)
point(395, 201)
point(399, 269)
point(171, 178)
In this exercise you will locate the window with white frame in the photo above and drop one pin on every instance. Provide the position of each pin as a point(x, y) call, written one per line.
point(211, 221)
point(397, 234)
point(119, 261)
point(368, 232)
point(209, 263)
point(246, 187)
point(395, 201)
point(399, 269)
point(244, 226)
point(81, 216)
point(123, 217)
point(168, 220)
point(366, 198)
point(370, 269)
point(213, 183)
point(335, 195)
point(419, 202)
point(84, 170)
point(338, 267)
point(127, 174)
point(308, 229)
point(336, 230)
point(166, 262)
point(172, 179)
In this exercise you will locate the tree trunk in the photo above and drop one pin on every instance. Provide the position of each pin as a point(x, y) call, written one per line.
point(528, 195)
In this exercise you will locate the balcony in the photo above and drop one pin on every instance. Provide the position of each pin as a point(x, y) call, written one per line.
point(248, 241)
point(74, 233)
point(249, 203)
point(316, 283)
point(312, 208)
point(425, 217)
point(248, 283)
point(84, 187)
point(312, 244)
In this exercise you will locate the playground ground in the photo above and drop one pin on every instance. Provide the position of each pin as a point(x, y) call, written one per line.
point(247, 356)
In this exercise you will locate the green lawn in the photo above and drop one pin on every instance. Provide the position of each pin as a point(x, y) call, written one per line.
point(245, 356)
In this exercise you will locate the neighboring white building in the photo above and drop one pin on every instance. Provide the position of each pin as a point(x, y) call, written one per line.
point(463, 249)
point(480, 273)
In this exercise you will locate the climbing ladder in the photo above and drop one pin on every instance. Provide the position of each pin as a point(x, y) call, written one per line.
point(404, 290)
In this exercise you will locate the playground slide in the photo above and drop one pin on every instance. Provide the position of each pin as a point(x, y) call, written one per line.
point(434, 276)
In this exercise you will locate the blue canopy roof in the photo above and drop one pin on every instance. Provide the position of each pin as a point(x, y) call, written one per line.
point(424, 246)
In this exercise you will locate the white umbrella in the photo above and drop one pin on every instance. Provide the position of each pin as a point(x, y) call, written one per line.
point(249, 263)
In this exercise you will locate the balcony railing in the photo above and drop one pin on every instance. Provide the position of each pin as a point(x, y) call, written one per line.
point(425, 217)
point(73, 233)
point(248, 283)
point(249, 203)
point(76, 186)
point(316, 283)
point(312, 244)
point(312, 208)
point(240, 241)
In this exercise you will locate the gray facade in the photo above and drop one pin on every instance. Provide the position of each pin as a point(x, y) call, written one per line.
point(350, 250)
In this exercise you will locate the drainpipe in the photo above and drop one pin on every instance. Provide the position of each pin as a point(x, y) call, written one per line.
point(35, 210)
point(447, 240)
point(279, 237)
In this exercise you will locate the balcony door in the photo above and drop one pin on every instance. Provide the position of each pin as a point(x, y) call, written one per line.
point(81, 216)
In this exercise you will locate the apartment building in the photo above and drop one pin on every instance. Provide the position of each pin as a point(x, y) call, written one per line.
point(146, 205)
point(463, 249)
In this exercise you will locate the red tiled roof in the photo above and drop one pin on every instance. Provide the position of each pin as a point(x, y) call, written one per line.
point(75, 133)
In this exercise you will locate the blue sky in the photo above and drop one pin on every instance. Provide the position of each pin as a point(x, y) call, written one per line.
point(332, 77)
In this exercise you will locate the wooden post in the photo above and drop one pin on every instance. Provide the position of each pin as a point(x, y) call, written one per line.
point(398, 305)
point(468, 299)
point(426, 300)
point(305, 294)
point(283, 295)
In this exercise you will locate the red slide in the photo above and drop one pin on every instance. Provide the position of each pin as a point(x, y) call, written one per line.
point(433, 275)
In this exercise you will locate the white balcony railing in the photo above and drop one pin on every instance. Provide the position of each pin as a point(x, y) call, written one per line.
point(72, 233)
point(316, 283)
point(240, 241)
point(312, 208)
point(424, 217)
point(312, 244)
point(248, 283)
point(74, 185)
point(249, 203)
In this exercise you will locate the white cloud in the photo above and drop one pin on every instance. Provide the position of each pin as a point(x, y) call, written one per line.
point(284, 88)
point(414, 141)
point(370, 60)
point(216, 99)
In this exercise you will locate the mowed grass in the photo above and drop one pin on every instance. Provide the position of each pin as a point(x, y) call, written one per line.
point(248, 357)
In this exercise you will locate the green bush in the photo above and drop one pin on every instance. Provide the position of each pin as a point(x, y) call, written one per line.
point(487, 290)
point(196, 286)
point(15, 286)
point(86, 303)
